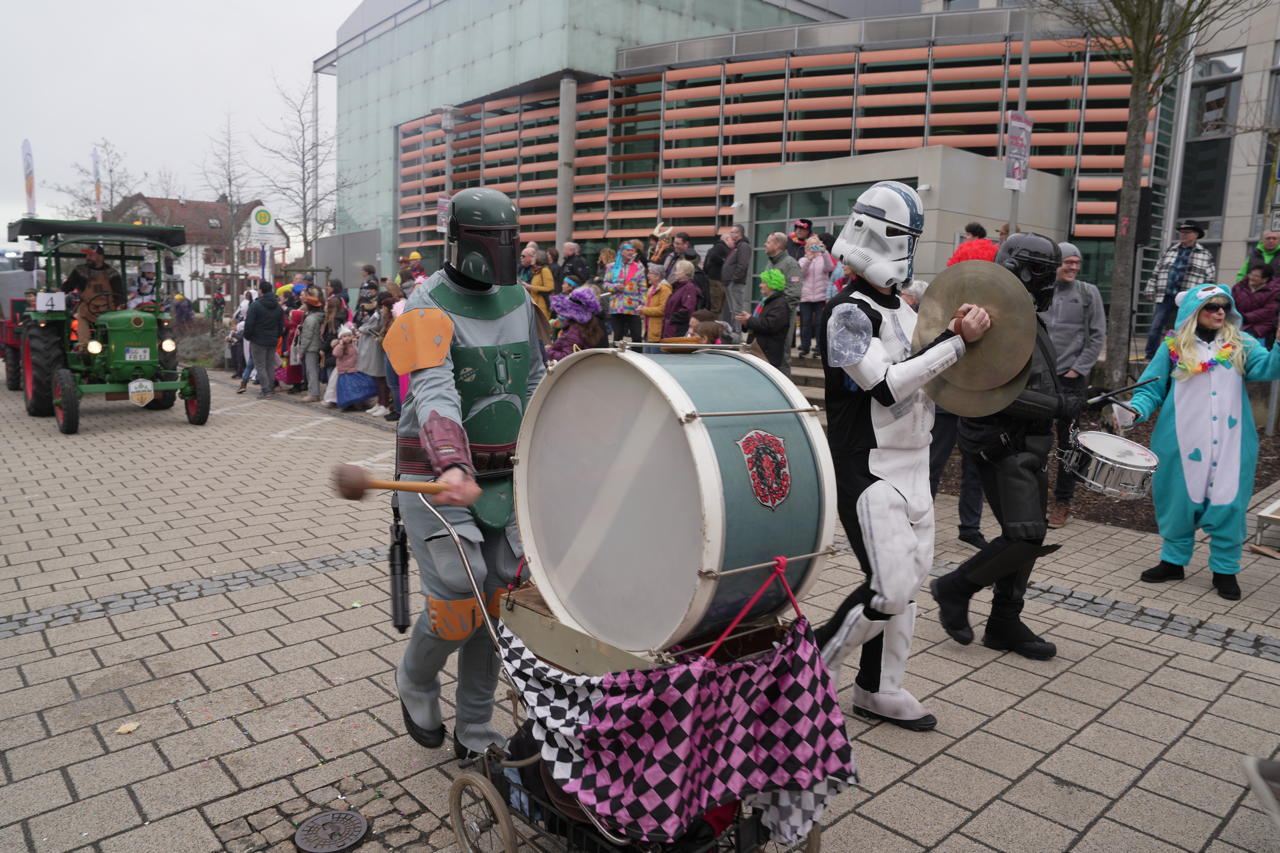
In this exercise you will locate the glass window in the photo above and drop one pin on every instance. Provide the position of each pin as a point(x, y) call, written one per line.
point(1222, 65)
point(960, 5)
point(1213, 108)
point(771, 207)
point(810, 203)
point(1204, 178)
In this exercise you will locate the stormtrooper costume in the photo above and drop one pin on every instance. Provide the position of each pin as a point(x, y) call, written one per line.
point(467, 340)
point(879, 432)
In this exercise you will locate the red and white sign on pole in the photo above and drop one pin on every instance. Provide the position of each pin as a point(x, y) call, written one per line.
point(443, 203)
point(1017, 150)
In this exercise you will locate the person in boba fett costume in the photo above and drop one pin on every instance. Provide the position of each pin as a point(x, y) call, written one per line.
point(468, 342)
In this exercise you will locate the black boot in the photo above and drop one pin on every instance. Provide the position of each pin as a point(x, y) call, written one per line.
point(1227, 586)
point(1014, 636)
point(430, 738)
point(461, 751)
point(952, 592)
point(1165, 571)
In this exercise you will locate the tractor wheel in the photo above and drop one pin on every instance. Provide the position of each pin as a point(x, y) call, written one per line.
point(66, 406)
point(41, 357)
point(199, 402)
point(12, 368)
point(165, 399)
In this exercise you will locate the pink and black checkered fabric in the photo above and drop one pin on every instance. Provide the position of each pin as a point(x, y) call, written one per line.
point(662, 747)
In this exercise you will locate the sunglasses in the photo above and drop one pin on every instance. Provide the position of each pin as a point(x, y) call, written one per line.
point(1215, 307)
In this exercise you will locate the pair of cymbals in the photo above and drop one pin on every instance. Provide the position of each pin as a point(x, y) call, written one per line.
point(993, 370)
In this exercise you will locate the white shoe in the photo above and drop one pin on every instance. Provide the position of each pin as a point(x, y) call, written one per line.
point(377, 411)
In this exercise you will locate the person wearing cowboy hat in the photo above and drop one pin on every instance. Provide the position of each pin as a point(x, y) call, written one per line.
point(1183, 265)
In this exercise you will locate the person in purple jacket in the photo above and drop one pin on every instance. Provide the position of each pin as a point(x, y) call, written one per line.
point(682, 302)
point(579, 307)
point(1257, 298)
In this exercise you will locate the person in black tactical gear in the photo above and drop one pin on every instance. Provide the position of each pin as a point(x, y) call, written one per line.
point(1011, 450)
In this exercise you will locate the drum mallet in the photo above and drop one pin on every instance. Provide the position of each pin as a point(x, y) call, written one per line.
point(1110, 396)
point(352, 482)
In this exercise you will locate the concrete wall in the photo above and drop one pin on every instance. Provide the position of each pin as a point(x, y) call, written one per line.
point(961, 187)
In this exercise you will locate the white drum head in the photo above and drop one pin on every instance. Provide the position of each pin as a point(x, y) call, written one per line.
point(615, 511)
point(1113, 448)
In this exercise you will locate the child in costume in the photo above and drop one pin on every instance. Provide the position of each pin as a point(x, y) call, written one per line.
point(583, 330)
point(1205, 437)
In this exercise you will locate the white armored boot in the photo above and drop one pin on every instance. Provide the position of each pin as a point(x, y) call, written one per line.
point(854, 630)
point(891, 703)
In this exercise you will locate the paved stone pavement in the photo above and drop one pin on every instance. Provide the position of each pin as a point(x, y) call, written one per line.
point(203, 583)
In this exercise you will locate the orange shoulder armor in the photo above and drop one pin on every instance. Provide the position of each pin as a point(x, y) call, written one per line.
point(417, 339)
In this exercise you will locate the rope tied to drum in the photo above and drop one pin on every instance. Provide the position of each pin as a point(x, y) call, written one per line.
point(779, 573)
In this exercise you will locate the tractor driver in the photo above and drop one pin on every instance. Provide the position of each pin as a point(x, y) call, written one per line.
point(99, 284)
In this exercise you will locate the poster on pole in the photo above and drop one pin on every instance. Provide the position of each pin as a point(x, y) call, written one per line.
point(97, 186)
point(1017, 150)
point(29, 176)
point(443, 203)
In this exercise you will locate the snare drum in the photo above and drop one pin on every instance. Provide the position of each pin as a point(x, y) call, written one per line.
point(643, 482)
point(1111, 465)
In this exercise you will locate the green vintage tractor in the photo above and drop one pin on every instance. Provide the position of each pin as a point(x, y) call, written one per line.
point(89, 342)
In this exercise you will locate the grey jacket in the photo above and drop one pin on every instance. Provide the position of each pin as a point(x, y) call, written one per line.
point(736, 264)
point(1077, 326)
point(309, 333)
point(789, 267)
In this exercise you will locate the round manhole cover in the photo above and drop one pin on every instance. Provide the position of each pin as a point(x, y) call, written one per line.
point(331, 832)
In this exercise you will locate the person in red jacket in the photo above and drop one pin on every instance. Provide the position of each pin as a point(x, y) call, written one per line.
point(974, 246)
point(1257, 298)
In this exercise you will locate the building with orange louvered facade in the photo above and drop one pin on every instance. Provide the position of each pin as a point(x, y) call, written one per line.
point(600, 157)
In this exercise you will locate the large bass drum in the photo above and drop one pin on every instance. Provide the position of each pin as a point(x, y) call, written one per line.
point(643, 482)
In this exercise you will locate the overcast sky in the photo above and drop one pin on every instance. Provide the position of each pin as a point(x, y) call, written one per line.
point(155, 78)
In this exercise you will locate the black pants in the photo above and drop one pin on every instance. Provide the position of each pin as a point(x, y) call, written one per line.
point(1017, 490)
point(810, 315)
point(626, 326)
point(1065, 486)
point(945, 428)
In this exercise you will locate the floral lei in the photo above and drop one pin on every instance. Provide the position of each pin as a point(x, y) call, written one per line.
point(1220, 359)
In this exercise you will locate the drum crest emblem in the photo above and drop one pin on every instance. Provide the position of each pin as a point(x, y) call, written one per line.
point(766, 458)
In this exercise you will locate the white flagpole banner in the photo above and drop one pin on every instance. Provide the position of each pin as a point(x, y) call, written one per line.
point(29, 176)
point(97, 186)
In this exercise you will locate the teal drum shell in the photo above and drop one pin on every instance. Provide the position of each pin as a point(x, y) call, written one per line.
point(636, 503)
point(762, 520)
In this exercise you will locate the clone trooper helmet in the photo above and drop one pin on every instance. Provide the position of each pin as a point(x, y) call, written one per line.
point(879, 240)
point(1034, 259)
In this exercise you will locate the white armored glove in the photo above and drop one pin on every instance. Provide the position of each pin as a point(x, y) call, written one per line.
point(1118, 418)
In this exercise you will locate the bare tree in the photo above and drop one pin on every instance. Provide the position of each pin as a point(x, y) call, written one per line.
point(117, 183)
point(1151, 40)
point(299, 172)
point(226, 177)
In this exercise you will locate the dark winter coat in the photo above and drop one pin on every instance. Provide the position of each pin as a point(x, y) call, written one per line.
point(714, 263)
point(264, 323)
point(1258, 307)
point(573, 339)
point(680, 306)
point(769, 326)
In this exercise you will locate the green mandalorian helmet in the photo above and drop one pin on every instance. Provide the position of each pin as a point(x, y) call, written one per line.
point(483, 230)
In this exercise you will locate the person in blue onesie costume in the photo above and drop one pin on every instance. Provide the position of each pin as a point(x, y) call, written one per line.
point(1205, 436)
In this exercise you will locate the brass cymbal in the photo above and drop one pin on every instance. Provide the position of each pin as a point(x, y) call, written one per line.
point(1005, 348)
point(976, 404)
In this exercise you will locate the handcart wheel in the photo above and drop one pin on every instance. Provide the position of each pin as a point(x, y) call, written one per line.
point(480, 818)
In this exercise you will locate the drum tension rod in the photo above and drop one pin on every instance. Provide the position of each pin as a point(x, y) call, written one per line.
point(690, 417)
point(716, 573)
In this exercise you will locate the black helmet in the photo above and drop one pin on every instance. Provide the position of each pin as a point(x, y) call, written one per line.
point(483, 232)
point(1034, 259)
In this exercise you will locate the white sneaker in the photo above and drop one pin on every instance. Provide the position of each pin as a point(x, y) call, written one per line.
point(377, 411)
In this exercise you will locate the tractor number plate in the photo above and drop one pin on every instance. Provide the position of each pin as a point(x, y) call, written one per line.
point(137, 353)
point(141, 391)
